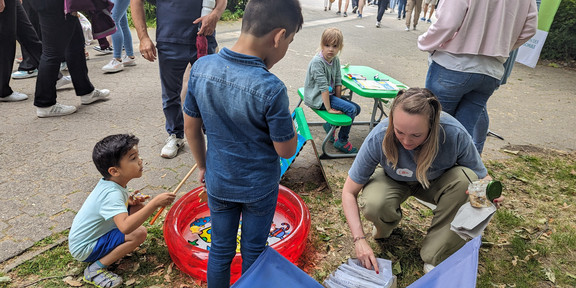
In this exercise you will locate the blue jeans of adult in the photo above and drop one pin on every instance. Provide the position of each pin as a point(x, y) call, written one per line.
point(225, 216)
point(347, 107)
point(401, 8)
point(173, 59)
point(481, 131)
point(462, 95)
point(393, 3)
point(122, 37)
point(62, 39)
point(382, 6)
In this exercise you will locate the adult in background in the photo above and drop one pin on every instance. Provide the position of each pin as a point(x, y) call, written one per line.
point(178, 23)
point(382, 6)
point(62, 38)
point(122, 38)
point(422, 153)
point(468, 45)
point(14, 24)
point(412, 6)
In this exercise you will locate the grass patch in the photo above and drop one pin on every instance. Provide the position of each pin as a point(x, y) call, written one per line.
point(530, 242)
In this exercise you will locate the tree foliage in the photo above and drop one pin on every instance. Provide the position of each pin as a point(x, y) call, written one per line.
point(561, 41)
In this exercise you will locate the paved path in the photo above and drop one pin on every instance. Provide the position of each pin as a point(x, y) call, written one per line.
point(46, 169)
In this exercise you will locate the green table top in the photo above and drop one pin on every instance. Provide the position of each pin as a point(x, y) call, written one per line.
point(369, 73)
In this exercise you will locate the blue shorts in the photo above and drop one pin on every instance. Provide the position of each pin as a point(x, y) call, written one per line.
point(106, 244)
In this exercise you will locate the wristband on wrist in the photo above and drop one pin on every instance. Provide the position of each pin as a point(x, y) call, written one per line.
point(358, 238)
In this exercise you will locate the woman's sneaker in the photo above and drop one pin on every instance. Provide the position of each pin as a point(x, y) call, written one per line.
point(25, 74)
point(345, 147)
point(101, 278)
point(108, 50)
point(127, 61)
point(113, 66)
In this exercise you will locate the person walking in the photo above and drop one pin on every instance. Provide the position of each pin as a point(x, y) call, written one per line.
point(122, 38)
point(412, 6)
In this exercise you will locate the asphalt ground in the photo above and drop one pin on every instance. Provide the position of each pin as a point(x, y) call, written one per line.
point(46, 170)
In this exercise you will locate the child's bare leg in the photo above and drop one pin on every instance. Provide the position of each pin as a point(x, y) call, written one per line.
point(132, 241)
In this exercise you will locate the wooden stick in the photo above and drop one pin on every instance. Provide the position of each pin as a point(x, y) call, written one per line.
point(174, 192)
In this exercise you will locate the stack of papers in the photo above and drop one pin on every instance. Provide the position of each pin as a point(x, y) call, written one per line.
point(376, 85)
point(352, 274)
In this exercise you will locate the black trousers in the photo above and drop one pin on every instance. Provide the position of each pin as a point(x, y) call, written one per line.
point(14, 24)
point(29, 61)
point(382, 6)
point(62, 39)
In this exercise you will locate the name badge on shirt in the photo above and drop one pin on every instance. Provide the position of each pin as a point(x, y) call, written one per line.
point(404, 172)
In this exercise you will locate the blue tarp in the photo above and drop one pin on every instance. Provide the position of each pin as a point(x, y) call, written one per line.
point(273, 270)
point(458, 271)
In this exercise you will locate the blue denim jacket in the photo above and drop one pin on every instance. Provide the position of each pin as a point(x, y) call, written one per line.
point(244, 108)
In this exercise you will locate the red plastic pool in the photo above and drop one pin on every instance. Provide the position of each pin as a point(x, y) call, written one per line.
point(187, 232)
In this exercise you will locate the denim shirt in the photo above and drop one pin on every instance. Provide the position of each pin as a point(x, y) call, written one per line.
point(244, 108)
point(455, 148)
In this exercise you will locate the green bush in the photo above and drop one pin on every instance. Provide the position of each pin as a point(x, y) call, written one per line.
point(150, 10)
point(561, 42)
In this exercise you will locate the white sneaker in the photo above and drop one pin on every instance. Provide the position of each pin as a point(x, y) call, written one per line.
point(173, 144)
point(428, 268)
point(14, 97)
point(113, 66)
point(65, 80)
point(377, 24)
point(407, 28)
point(127, 61)
point(55, 110)
point(96, 95)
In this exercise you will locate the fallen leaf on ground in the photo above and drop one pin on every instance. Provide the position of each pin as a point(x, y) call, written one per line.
point(71, 282)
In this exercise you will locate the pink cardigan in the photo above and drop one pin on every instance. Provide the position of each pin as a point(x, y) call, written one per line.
point(481, 27)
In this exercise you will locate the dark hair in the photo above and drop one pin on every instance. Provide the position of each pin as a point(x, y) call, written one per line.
point(263, 16)
point(109, 151)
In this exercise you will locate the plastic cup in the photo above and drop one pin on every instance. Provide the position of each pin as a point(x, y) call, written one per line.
point(477, 194)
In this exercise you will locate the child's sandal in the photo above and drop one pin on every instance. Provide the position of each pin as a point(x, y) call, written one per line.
point(102, 278)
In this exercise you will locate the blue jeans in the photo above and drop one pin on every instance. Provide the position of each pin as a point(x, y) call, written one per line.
point(173, 59)
point(393, 3)
point(481, 131)
point(256, 221)
point(122, 37)
point(462, 95)
point(401, 8)
point(349, 108)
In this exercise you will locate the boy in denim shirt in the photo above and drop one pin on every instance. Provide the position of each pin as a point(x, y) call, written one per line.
point(244, 110)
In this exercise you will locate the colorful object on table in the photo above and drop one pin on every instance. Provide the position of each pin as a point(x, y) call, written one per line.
point(377, 85)
point(187, 232)
point(355, 76)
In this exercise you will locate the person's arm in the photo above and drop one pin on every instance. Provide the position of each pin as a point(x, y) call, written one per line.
point(128, 223)
point(450, 14)
point(2, 6)
point(530, 27)
point(287, 149)
point(196, 142)
point(352, 212)
point(147, 47)
point(209, 21)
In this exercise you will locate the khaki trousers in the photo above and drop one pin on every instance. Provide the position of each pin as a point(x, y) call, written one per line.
point(415, 5)
point(380, 203)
